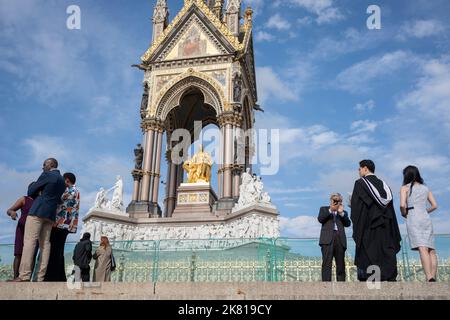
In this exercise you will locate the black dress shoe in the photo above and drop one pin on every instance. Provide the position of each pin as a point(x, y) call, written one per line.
point(432, 280)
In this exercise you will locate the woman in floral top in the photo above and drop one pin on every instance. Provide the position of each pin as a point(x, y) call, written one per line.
point(66, 222)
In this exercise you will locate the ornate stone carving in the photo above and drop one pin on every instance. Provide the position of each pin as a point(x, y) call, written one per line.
point(117, 197)
point(171, 64)
point(237, 89)
point(219, 75)
point(144, 100)
point(113, 205)
point(169, 97)
point(211, 17)
point(230, 117)
point(101, 202)
point(152, 124)
point(251, 192)
point(138, 156)
point(194, 24)
point(248, 20)
point(162, 80)
point(246, 227)
point(161, 11)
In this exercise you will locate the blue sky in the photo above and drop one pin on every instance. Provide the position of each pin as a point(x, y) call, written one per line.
point(337, 91)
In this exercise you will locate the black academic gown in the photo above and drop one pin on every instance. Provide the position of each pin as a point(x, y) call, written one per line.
point(375, 231)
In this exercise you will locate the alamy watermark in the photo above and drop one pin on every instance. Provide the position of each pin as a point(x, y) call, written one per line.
point(252, 146)
point(374, 20)
point(74, 280)
point(74, 19)
point(373, 281)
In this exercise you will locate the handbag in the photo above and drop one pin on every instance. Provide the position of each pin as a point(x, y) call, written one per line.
point(113, 263)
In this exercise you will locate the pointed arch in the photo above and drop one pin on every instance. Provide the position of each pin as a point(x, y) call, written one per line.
point(170, 97)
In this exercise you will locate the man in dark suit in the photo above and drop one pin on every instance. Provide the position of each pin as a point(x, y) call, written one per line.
point(46, 191)
point(375, 228)
point(333, 240)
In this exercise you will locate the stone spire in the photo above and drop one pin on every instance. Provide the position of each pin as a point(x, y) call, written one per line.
point(233, 15)
point(248, 18)
point(218, 9)
point(160, 18)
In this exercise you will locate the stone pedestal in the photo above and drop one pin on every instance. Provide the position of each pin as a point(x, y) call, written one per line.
point(194, 200)
point(138, 209)
point(155, 210)
point(223, 206)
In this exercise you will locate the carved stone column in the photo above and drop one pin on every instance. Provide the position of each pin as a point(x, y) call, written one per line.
point(138, 207)
point(228, 160)
point(166, 192)
point(229, 121)
point(148, 155)
point(221, 163)
point(157, 168)
point(153, 129)
point(237, 171)
point(171, 187)
point(137, 176)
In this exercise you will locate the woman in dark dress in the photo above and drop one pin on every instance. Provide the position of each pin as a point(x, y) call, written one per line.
point(24, 204)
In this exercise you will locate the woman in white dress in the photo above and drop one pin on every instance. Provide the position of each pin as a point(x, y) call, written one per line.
point(414, 196)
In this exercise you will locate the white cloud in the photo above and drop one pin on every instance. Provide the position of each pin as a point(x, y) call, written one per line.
point(339, 180)
point(311, 143)
point(323, 138)
point(304, 21)
point(441, 221)
point(359, 77)
point(363, 126)
point(420, 29)
point(264, 36)
point(411, 149)
point(348, 41)
point(277, 22)
point(402, 155)
point(329, 15)
point(360, 139)
point(43, 146)
point(300, 227)
point(51, 65)
point(365, 106)
point(291, 190)
point(272, 120)
point(111, 114)
point(430, 98)
point(324, 10)
point(271, 85)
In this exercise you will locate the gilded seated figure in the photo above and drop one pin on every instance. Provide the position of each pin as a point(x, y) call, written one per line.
point(199, 167)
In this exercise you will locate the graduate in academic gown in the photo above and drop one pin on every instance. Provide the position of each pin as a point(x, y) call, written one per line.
point(375, 228)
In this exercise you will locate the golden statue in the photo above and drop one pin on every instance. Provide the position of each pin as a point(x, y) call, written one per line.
point(199, 167)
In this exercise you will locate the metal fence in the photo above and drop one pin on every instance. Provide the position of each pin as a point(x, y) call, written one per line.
point(236, 260)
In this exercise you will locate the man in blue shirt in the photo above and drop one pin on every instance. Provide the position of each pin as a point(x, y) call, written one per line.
point(46, 191)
